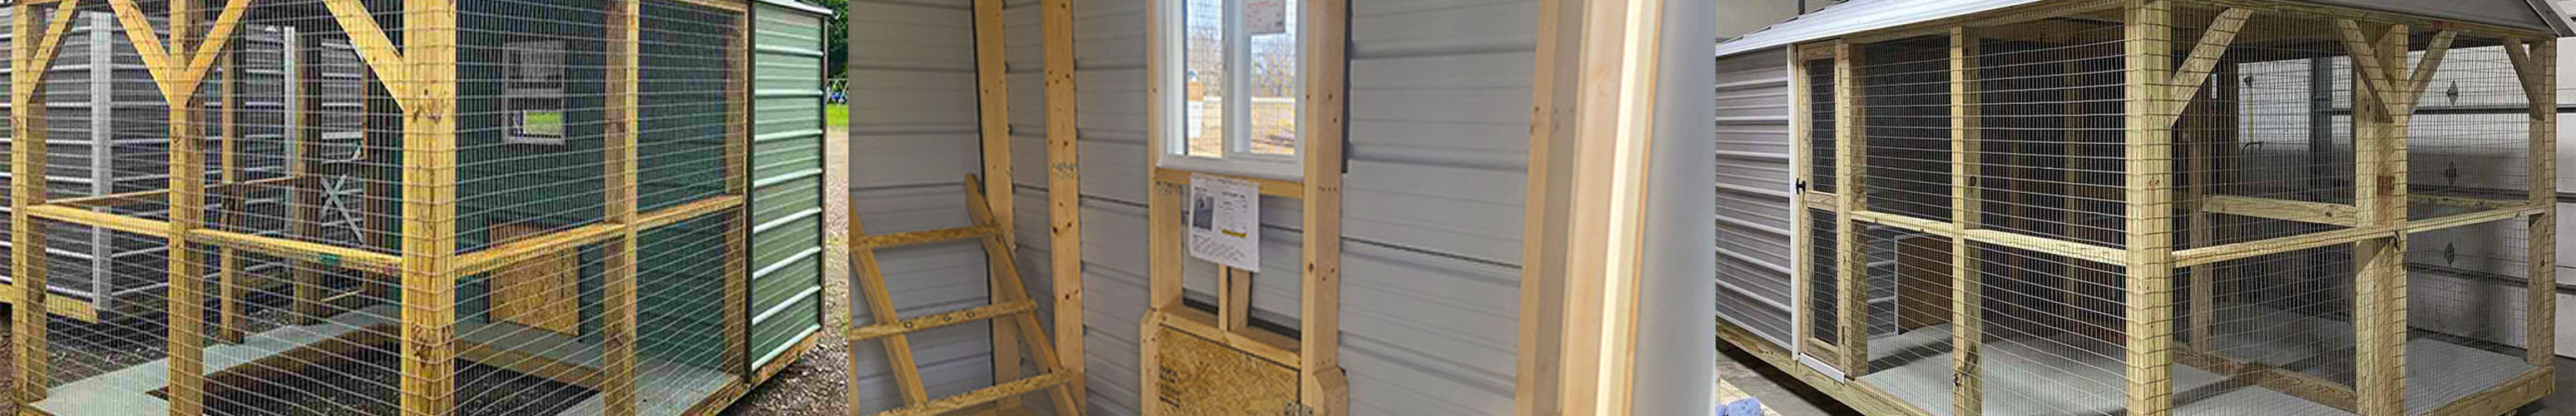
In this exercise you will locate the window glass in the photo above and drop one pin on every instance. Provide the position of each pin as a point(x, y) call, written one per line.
point(1204, 78)
point(1271, 29)
point(533, 98)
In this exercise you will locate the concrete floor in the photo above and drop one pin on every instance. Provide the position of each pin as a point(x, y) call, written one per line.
point(1785, 395)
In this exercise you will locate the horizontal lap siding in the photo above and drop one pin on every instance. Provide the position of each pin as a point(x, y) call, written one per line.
point(1754, 182)
point(912, 141)
point(786, 167)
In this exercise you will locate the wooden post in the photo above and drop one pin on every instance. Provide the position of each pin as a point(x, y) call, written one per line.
point(2537, 68)
point(1322, 385)
point(429, 205)
point(2379, 190)
point(304, 211)
point(228, 260)
point(1064, 192)
point(1967, 302)
point(2149, 148)
point(625, 89)
point(1614, 121)
point(1542, 303)
point(27, 190)
point(1851, 263)
point(737, 262)
point(994, 114)
point(187, 212)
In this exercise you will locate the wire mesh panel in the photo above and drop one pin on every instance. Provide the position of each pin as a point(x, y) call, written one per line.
point(303, 144)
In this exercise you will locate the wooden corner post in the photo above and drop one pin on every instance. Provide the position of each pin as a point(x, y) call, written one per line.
point(2149, 152)
point(625, 75)
point(1536, 392)
point(426, 90)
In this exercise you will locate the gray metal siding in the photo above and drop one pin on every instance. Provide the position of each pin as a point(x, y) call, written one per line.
point(1754, 185)
point(1439, 139)
point(787, 222)
point(912, 141)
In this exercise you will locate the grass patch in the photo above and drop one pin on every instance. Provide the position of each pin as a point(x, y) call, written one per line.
point(837, 115)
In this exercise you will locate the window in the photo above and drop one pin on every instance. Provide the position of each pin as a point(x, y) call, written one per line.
point(533, 92)
point(1239, 83)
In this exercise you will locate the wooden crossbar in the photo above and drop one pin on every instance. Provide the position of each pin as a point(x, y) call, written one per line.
point(980, 396)
point(907, 326)
point(1011, 306)
point(924, 237)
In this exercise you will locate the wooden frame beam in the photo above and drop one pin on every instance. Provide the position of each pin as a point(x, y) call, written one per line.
point(2537, 68)
point(1850, 147)
point(27, 262)
point(1967, 204)
point(429, 201)
point(2149, 179)
point(2282, 209)
point(993, 114)
point(1614, 118)
point(623, 156)
point(1541, 331)
point(1322, 386)
point(1064, 192)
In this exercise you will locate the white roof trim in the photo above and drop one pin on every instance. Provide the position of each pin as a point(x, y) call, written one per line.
point(1858, 16)
point(1866, 15)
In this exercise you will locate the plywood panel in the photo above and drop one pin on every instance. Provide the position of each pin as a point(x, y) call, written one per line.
point(541, 293)
point(1201, 377)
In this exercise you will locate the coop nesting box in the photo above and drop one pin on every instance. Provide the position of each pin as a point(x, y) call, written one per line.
point(422, 207)
point(2150, 207)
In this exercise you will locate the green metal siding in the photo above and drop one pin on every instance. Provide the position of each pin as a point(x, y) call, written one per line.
point(787, 167)
point(681, 147)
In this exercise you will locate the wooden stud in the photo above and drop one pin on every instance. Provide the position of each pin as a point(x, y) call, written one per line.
point(1802, 170)
point(1064, 192)
point(2187, 81)
point(1967, 204)
point(2280, 209)
point(429, 205)
point(622, 154)
point(2149, 150)
point(1234, 299)
point(918, 324)
point(1320, 305)
point(1851, 263)
point(1614, 128)
point(994, 116)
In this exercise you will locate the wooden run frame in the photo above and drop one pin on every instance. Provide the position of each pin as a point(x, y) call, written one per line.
point(421, 77)
point(1314, 351)
point(2163, 75)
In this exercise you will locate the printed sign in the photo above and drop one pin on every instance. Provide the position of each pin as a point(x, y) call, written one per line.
point(1225, 222)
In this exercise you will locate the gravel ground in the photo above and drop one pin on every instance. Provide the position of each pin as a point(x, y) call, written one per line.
point(811, 386)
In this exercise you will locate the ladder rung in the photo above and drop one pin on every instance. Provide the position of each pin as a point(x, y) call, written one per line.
point(923, 237)
point(979, 396)
point(945, 319)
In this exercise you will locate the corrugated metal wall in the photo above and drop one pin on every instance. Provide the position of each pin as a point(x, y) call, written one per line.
point(1754, 185)
point(913, 138)
point(787, 180)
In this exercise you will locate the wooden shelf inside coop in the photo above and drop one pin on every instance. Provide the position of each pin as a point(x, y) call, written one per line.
point(528, 356)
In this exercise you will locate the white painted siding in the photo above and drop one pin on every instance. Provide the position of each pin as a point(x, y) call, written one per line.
point(912, 138)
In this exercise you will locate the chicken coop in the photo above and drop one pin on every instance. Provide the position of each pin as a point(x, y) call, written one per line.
point(418, 207)
point(2146, 207)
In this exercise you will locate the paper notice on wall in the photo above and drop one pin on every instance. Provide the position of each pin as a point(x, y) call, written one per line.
point(1225, 222)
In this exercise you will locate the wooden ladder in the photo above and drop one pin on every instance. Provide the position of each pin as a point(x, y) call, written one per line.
point(1012, 307)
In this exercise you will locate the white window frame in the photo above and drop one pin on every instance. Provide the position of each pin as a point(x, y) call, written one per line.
point(1235, 156)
